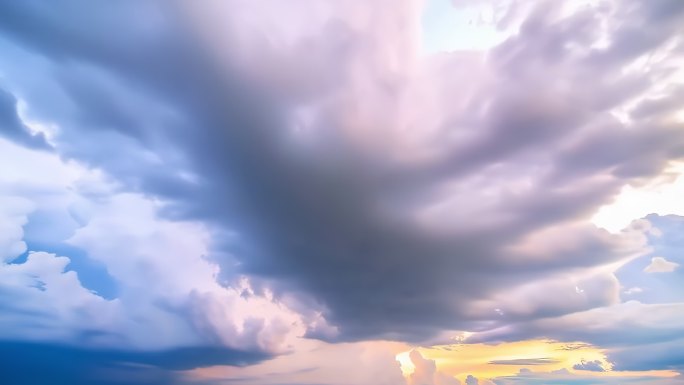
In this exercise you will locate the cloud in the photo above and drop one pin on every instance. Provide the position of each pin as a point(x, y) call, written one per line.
point(525, 361)
point(169, 313)
point(664, 240)
point(315, 362)
point(300, 169)
point(38, 363)
point(355, 181)
point(626, 323)
point(13, 128)
point(171, 255)
point(13, 213)
point(647, 322)
point(633, 290)
point(648, 356)
point(563, 376)
point(472, 380)
point(592, 366)
point(45, 302)
point(426, 373)
point(661, 265)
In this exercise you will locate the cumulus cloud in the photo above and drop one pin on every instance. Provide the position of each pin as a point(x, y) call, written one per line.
point(661, 265)
point(472, 380)
point(163, 262)
point(665, 241)
point(45, 302)
point(592, 366)
point(426, 373)
point(13, 213)
point(169, 303)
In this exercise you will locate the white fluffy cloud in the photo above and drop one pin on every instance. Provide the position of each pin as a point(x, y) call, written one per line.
point(47, 303)
point(169, 293)
point(167, 284)
point(661, 265)
point(425, 372)
point(13, 213)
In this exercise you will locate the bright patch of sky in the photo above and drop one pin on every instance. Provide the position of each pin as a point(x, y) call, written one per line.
point(662, 196)
point(452, 26)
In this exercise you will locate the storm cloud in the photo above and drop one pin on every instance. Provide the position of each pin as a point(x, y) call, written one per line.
point(364, 188)
point(314, 176)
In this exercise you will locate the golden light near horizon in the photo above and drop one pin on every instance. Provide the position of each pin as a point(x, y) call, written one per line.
point(507, 359)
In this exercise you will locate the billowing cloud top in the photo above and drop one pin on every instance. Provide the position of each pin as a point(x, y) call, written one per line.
point(190, 184)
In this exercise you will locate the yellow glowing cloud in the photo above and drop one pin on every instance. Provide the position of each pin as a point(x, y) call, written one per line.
point(404, 360)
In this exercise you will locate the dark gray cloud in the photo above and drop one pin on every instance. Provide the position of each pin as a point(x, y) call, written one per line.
point(33, 363)
point(648, 356)
point(13, 128)
point(309, 184)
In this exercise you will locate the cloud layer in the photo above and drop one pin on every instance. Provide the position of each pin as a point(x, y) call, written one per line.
point(247, 173)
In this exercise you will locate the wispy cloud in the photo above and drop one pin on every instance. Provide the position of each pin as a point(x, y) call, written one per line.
point(525, 361)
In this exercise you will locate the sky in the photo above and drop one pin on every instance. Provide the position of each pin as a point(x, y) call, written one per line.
point(342, 192)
